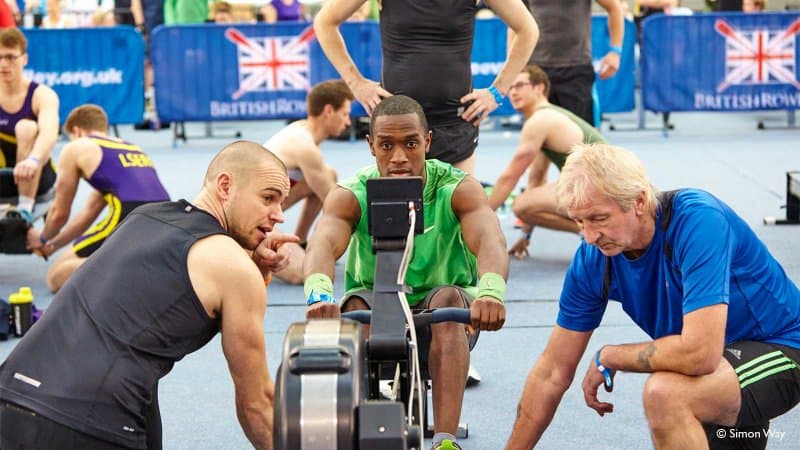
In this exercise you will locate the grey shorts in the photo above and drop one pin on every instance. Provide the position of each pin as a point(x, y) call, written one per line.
point(423, 333)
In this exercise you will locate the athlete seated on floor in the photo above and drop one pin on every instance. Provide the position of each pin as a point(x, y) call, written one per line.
point(462, 240)
point(297, 145)
point(123, 177)
point(28, 127)
point(547, 136)
point(723, 316)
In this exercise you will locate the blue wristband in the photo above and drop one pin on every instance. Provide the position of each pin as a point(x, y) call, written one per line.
point(498, 97)
point(607, 380)
point(616, 49)
point(316, 297)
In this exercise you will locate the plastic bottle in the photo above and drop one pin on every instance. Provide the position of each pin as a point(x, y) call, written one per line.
point(21, 308)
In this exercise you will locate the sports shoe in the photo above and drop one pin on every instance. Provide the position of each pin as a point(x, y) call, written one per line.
point(25, 214)
point(473, 377)
point(446, 444)
point(14, 213)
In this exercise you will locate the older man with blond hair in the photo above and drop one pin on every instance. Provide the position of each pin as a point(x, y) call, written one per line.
point(723, 317)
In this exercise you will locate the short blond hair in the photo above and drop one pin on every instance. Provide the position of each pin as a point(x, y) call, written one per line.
point(88, 118)
point(614, 171)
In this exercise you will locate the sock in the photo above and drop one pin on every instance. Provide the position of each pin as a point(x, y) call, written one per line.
point(25, 203)
point(439, 437)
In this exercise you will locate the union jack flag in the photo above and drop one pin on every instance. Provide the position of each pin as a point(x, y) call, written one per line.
point(279, 63)
point(763, 56)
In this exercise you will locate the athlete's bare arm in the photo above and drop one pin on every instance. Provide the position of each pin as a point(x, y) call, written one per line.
point(532, 136)
point(340, 215)
point(514, 14)
point(230, 287)
point(69, 175)
point(616, 30)
point(484, 238)
point(77, 225)
point(45, 106)
point(315, 172)
point(326, 26)
point(546, 383)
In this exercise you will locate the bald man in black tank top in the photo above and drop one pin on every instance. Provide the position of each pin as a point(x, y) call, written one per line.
point(170, 277)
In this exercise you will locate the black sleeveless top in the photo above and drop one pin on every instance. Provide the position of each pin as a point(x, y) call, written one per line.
point(92, 363)
point(427, 53)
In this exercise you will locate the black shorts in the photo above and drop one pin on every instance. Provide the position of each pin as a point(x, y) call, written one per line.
point(571, 88)
point(91, 240)
point(423, 333)
point(453, 143)
point(7, 186)
point(770, 381)
point(21, 428)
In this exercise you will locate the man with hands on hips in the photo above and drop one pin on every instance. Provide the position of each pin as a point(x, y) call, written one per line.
point(426, 48)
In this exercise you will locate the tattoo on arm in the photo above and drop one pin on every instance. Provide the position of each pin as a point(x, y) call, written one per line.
point(645, 355)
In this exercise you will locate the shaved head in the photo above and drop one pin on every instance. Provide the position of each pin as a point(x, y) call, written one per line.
point(242, 159)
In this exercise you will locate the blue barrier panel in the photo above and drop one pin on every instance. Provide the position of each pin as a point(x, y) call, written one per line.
point(215, 72)
point(616, 93)
point(721, 62)
point(104, 66)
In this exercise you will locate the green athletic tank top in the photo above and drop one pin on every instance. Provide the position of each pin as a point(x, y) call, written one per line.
point(590, 135)
point(440, 256)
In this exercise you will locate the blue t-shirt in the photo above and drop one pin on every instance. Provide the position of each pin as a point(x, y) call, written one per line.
point(716, 258)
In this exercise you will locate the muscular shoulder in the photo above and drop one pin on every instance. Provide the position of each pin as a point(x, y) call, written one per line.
point(468, 196)
point(221, 251)
point(44, 96)
point(343, 203)
point(81, 153)
point(293, 142)
point(545, 117)
point(292, 145)
point(218, 267)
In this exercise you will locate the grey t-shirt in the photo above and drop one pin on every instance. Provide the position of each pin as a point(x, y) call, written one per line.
point(564, 32)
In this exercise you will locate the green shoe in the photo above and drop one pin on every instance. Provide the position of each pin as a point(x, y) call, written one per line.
point(446, 444)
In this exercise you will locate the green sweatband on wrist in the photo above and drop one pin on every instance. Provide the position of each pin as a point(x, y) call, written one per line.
point(318, 287)
point(492, 285)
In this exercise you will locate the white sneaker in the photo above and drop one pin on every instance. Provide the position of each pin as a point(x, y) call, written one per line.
point(473, 377)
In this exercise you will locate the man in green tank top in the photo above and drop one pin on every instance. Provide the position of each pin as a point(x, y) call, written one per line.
point(460, 257)
point(547, 136)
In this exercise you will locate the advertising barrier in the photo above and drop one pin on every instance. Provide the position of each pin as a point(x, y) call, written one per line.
point(721, 62)
point(104, 66)
point(213, 72)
